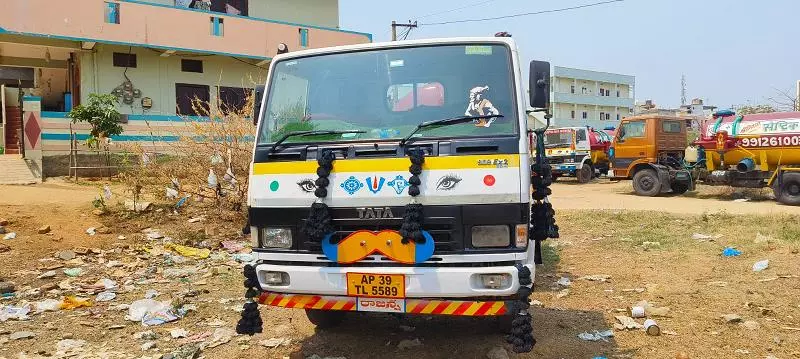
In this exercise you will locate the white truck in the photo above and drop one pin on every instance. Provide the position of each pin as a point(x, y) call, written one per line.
point(395, 177)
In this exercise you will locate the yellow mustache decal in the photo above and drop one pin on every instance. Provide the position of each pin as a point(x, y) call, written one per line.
point(361, 244)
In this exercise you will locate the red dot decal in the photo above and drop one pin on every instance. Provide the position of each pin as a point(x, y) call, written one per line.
point(488, 180)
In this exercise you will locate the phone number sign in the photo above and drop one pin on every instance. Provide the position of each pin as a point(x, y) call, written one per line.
point(770, 141)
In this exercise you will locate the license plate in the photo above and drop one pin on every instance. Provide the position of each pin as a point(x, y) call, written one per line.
point(383, 305)
point(376, 285)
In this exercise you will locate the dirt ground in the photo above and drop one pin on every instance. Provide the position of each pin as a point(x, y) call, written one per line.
point(644, 245)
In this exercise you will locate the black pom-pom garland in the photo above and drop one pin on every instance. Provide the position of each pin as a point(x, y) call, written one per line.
point(521, 337)
point(319, 222)
point(414, 216)
point(250, 323)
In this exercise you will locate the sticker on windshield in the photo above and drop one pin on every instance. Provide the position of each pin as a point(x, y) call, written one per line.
point(479, 105)
point(477, 50)
point(396, 63)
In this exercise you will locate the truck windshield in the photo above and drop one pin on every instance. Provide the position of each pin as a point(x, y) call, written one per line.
point(557, 138)
point(386, 93)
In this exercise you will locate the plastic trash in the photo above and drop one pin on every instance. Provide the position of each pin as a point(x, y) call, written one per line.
point(72, 302)
point(91, 231)
point(232, 246)
point(760, 265)
point(178, 333)
point(191, 252)
point(151, 293)
point(48, 305)
point(150, 312)
point(73, 272)
point(175, 183)
point(108, 284)
point(212, 179)
point(105, 296)
point(244, 257)
point(564, 282)
point(10, 236)
point(171, 193)
point(730, 252)
point(216, 158)
point(106, 192)
point(16, 313)
point(596, 336)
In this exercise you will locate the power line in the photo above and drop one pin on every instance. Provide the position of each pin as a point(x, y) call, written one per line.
point(522, 14)
point(456, 9)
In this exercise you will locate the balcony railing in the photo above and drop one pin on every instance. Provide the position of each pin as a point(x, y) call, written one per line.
point(611, 101)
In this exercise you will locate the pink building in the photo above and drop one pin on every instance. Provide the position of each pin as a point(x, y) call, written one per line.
point(155, 55)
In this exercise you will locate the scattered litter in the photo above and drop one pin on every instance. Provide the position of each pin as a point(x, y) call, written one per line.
point(16, 313)
point(113, 264)
point(72, 302)
point(497, 353)
point(46, 275)
point(195, 219)
point(171, 193)
point(564, 282)
point(107, 284)
point(43, 229)
point(596, 278)
point(191, 252)
point(67, 346)
point(186, 351)
point(146, 335)
point(178, 333)
point(730, 252)
point(562, 293)
point(751, 325)
point(220, 336)
point(244, 257)
point(760, 238)
point(121, 237)
point(732, 318)
point(637, 312)
point(596, 336)
point(232, 246)
point(105, 296)
point(21, 335)
point(151, 293)
point(91, 231)
point(651, 327)
point(47, 305)
point(705, 237)
point(408, 344)
point(138, 206)
point(212, 179)
point(73, 272)
point(275, 342)
point(760, 265)
point(10, 236)
point(626, 322)
point(174, 273)
point(148, 345)
point(537, 304)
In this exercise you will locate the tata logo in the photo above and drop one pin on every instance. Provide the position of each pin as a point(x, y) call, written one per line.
point(374, 213)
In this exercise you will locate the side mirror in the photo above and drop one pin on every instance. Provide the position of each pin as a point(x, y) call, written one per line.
point(539, 84)
point(258, 95)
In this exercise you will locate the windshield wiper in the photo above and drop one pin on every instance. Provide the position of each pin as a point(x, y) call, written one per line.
point(309, 133)
point(445, 122)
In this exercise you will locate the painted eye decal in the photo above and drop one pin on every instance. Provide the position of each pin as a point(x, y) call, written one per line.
point(307, 185)
point(447, 182)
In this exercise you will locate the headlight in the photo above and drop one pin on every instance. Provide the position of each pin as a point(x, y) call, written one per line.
point(276, 238)
point(491, 236)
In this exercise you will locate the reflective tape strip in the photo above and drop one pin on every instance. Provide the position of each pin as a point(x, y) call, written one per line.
point(413, 306)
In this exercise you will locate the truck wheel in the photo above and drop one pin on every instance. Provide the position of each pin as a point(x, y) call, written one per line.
point(585, 174)
point(325, 319)
point(646, 183)
point(679, 187)
point(789, 192)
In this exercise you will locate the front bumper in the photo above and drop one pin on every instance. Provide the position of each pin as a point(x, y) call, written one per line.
point(407, 306)
point(425, 282)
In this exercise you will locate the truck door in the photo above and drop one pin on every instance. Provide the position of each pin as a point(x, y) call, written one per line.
point(630, 144)
point(581, 140)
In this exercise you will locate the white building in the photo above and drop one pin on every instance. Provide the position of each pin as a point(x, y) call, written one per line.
point(592, 98)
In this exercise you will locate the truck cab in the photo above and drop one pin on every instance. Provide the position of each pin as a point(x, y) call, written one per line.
point(649, 150)
point(580, 152)
point(395, 178)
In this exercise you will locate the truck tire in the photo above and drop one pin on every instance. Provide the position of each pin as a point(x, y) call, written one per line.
point(646, 183)
point(679, 187)
point(789, 191)
point(325, 319)
point(585, 174)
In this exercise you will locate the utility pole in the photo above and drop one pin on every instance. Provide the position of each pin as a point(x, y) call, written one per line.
point(683, 90)
point(395, 25)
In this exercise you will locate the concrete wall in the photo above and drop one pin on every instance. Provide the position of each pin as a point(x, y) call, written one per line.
point(156, 76)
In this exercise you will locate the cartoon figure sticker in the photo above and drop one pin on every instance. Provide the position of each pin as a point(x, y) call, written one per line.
point(480, 106)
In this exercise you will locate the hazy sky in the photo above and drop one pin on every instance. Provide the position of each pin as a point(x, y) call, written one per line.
point(731, 51)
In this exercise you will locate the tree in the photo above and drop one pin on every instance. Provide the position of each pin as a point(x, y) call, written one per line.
point(751, 109)
point(784, 100)
point(101, 113)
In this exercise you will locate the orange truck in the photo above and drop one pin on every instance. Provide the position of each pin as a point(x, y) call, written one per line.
point(580, 152)
point(749, 151)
